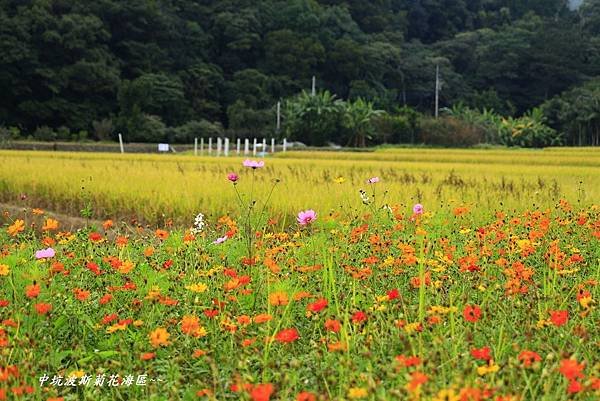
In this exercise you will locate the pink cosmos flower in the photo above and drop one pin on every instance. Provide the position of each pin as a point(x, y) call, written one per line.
point(418, 209)
point(373, 180)
point(45, 253)
point(306, 217)
point(220, 240)
point(233, 177)
point(253, 163)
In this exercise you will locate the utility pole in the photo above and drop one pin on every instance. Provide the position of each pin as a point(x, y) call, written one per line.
point(278, 117)
point(437, 90)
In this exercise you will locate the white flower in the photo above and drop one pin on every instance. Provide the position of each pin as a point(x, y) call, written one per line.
point(364, 197)
point(198, 224)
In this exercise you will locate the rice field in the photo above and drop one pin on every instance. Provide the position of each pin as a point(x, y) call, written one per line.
point(430, 275)
point(154, 189)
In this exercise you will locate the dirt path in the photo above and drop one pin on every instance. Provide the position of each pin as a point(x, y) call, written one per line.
point(9, 213)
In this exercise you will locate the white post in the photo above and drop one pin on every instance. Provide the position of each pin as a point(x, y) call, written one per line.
point(254, 148)
point(264, 148)
point(219, 146)
point(314, 86)
point(195, 146)
point(226, 152)
point(121, 143)
point(237, 147)
point(272, 145)
point(246, 147)
point(209, 146)
point(202, 146)
point(284, 144)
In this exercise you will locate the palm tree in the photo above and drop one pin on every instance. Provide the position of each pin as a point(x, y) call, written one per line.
point(358, 116)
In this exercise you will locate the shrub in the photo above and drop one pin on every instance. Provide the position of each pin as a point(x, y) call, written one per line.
point(450, 131)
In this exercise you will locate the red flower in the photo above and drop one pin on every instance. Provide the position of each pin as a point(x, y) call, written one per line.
point(210, 313)
point(95, 237)
point(262, 392)
point(167, 264)
point(287, 335)
point(94, 268)
point(529, 357)
point(559, 317)
point(306, 396)
point(472, 313)
point(571, 370)
point(393, 294)
point(574, 387)
point(481, 353)
point(318, 305)
point(408, 361)
point(359, 317)
point(4, 303)
point(106, 298)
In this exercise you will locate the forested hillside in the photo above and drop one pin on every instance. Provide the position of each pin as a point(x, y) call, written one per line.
point(73, 69)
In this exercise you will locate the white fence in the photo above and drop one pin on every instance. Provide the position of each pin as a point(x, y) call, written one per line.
point(223, 147)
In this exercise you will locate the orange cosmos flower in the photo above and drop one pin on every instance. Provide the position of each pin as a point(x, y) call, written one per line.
point(204, 392)
point(32, 291)
point(159, 337)
point(528, 358)
point(17, 227)
point(287, 335)
point(571, 370)
point(416, 380)
point(107, 224)
point(301, 295)
point(80, 294)
point(161, 234)
point(37, 211)
point(262, 392)
point(50, 225)
point(121, 241)
point(43, 308)
point(106, 298)
point(262, 318)
point(278, 298)
point(198, 353)
point(332, 325)
point(148, 252)
point(472, 313)
point(190, 325)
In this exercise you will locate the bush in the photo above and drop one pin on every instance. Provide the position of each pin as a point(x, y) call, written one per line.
point(102, 129)
point(450, 131)
point(194, 129)
point(44, 133)
point(148, 128)
point(393, 129)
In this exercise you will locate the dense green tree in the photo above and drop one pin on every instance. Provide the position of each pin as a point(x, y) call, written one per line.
point(168, 65)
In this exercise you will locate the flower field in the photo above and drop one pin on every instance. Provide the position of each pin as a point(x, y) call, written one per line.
point(365, 291)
